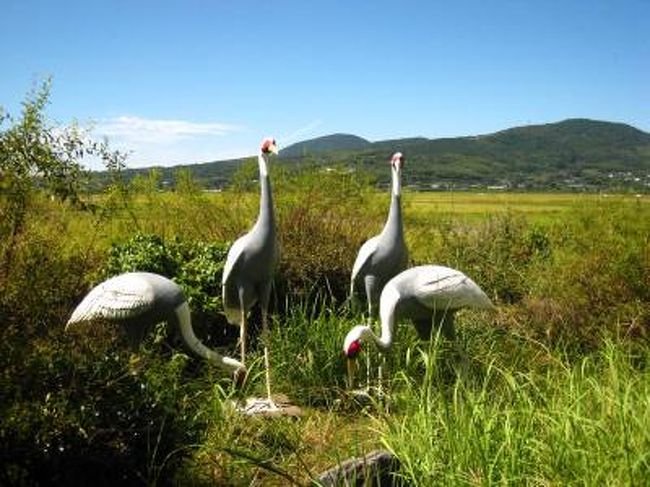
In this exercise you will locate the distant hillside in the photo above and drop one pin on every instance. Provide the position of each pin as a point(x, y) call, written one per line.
point(328, 143)
point(573, 154)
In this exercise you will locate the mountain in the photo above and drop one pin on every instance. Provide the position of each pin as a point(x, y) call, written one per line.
point(328, 143)
point(571, 154)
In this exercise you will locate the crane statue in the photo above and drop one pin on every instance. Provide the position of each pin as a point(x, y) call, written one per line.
point(140, 300)
point(251, 262)
point(429, 296)
point(383, 256)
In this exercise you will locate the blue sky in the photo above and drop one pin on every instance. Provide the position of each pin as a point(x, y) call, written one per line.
point(192, 81)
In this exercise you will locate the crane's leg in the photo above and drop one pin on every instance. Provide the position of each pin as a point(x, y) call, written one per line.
point(242, 327)
point(445, 320)
point(447, 326)
point(381, 371)
point(264, 303)
point(369, 282)
point(367, 354)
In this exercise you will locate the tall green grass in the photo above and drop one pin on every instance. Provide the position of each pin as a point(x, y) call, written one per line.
point(550, 419)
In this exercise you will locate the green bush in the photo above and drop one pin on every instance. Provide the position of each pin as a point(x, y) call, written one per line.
point(197, 267)
point(82, 410)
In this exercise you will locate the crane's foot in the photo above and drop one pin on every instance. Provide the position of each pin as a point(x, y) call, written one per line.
point(367, 395)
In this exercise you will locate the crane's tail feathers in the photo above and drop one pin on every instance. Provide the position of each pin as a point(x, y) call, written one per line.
point(79, 315)
point(486, 304)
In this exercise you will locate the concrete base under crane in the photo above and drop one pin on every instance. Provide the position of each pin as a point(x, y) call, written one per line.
point(258, 406)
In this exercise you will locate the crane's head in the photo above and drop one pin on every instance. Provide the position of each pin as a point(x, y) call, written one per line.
point(352, 343)
point(397, 161)
point(352, 349)
point(268, 146)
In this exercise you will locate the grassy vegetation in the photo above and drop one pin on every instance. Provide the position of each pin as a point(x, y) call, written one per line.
point(553, 388)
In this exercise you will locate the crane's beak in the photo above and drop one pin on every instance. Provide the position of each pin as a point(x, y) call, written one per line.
point(352, 368)
point(273, 148)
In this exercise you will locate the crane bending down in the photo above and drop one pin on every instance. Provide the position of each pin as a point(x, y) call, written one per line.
point(385, 255)
point(140, 300)
point(251, 262)
point(429, 296)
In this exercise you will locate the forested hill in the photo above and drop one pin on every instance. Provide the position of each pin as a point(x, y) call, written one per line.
point(575, 153)
point(572, 154)
point(326, 144)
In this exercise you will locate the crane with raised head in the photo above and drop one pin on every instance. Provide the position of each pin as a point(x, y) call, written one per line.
point(385, 255)
point(429, 296)
point(140, 300)
point(251, 262)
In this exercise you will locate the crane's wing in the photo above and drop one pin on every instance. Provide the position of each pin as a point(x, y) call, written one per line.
point(228, 293)
point(365, 253)
point(440, 287)
point(119, 298)
point(234, 253)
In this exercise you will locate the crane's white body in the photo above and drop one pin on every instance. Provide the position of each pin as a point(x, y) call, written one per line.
point(252, 258)
point(140, 300)
point(429, 296)
point(366, 251)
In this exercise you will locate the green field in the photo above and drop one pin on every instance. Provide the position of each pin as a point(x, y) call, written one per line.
point(535, 205)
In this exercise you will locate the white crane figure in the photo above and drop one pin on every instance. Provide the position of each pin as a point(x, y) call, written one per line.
point(140, 300)
point(385, 255)
point(429, 296)
point(251, 262)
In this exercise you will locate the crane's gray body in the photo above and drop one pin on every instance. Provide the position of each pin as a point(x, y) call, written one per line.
point(380, 258)
point(252, 260)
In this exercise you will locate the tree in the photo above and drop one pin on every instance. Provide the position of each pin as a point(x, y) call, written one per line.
point(38, 156)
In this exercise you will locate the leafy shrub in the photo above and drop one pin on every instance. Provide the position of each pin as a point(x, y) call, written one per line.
point(195, 266)
point(80, 410)
point(322, 228)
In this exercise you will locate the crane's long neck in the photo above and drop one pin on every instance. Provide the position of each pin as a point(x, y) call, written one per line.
point(194, 344)
point(394, 221)
point(266, 217)
point(387, 308)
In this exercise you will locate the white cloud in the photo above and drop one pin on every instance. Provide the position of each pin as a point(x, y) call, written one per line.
point(168, 142)
point(132, 129)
